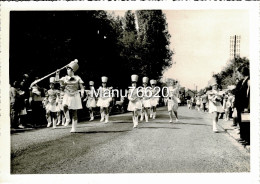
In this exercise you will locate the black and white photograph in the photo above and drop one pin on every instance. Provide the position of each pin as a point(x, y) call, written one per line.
point(137, 90)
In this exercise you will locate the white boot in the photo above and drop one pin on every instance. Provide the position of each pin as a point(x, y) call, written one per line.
point(146, 117)
point(215, 126)
point(59, 121)
point(106, 116)
point(142, 116)
point(67, 116)
point(63, 120)
point(154, 115)
point(73, 127)
point(49, 121)
point(91, 116)
point(136, 121)
point(54, 123)
point(102, 116)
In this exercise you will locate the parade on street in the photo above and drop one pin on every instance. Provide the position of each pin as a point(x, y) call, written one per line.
point(134, 91)
point(157, 146)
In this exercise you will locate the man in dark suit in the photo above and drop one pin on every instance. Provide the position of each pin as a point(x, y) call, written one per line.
point(241, 104)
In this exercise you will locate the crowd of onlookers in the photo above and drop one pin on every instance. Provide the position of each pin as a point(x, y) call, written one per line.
point(235, 102)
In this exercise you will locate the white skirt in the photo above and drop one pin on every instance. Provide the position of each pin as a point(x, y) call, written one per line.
point(103, 102)
point(135, 105)
point(72, 101)
point(172, 105)
point(154, 101)
point(52, 107)
point(215, 107)
point(146, 103)
point(91, 103)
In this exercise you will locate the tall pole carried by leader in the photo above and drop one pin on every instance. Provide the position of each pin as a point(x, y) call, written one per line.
point(38, 80)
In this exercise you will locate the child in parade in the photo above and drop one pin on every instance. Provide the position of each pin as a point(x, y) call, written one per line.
point(198, 102)
point(173, 91)
point(134, 104)
point(104, 100)
point(226, 107)
point(61, 114)
point(72, 98)
point(215, 106)
point(52, 104)
point(154, 100)
point(145, 99)
point(91, 100)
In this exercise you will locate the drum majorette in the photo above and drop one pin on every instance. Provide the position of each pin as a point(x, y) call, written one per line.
point(91, 100)
point(72, 98)
point(105, 97)
point(145, 100)
point(173, 92)
point(134, 100)
point(215, 106)
point(154, 100)
point(52, 104)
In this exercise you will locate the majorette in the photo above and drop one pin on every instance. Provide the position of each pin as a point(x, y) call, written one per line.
point(72, 98)
point(154, 100)
point(134, 100)
point(52, 104)
point(105, 97)
point(145, 100)
point(173, 91)
point(91, 100)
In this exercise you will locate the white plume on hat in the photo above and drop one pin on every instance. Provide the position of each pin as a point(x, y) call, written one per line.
point(153, 81)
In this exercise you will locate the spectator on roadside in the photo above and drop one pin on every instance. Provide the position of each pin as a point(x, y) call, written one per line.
point(14, 108)
point(242, 102)
point(35, 101)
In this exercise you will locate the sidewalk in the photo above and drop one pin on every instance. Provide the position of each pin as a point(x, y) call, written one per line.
point(232, 131)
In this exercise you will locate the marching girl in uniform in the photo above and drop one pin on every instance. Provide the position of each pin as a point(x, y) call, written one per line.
point(91, 101)
point(72, 98)
point(104, 99)
point(52, 104)
point(134, 104)
point(145, 100)
point(154, 100)
point(173, 91)
point(61, 114)
point(215, 106)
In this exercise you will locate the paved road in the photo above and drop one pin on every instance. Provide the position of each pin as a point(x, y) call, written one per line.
point(155, 147)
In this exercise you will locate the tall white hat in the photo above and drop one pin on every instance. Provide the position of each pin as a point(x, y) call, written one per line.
point(52, 79)
point(74, 65)
point(145, 79)
point(91, 83)
point(104, 79)
point(134, 78)
point(153, 81)
point(212, 81)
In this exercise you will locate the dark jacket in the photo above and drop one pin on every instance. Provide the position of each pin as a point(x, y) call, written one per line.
point(241, 97)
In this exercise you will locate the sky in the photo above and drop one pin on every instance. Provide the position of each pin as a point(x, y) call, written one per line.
point(200, 40)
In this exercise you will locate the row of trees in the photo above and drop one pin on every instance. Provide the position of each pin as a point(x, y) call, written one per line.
point(117, 47)
point(228, 75)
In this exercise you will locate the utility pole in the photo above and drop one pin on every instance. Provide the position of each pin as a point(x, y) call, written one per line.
point(234, 50)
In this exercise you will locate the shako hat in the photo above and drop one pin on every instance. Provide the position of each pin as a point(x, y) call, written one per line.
point(73, 65)
point(104, 79)
point(145, 79)
point(134, 78)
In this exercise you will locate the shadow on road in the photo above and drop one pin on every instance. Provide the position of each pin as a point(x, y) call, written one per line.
point(96, 132)
point(160, 127)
